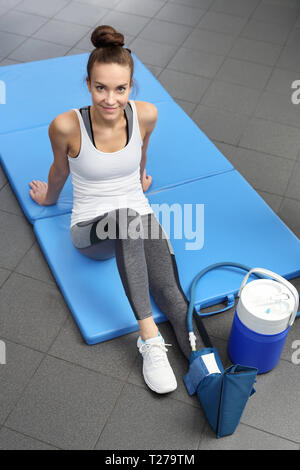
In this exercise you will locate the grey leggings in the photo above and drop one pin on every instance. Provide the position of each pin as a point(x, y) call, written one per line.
point(145, 261)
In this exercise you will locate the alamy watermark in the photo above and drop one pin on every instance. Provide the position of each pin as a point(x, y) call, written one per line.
point(295, 98)
point(184, 221)
point(2, 92)
point(188, 222)
point(296, 354)
point(2, 352)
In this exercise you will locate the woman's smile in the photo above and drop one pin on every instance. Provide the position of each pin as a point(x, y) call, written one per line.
point(109, 110)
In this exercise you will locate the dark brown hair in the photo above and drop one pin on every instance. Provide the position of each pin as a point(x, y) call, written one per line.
point(109, 49)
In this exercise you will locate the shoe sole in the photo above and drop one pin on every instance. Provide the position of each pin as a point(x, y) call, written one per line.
point(157, 391)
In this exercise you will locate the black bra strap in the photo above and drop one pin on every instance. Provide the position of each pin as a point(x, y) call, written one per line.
point(86, 116)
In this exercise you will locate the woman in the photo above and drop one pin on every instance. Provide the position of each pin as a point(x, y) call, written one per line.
point(104, 147)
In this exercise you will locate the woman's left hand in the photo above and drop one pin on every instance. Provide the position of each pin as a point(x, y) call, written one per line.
point(147, 181)
point(38, 191)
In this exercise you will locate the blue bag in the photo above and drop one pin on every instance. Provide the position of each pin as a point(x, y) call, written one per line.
point(223, 394)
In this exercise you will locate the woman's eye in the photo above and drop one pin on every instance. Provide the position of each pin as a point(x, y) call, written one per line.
point(121, 88)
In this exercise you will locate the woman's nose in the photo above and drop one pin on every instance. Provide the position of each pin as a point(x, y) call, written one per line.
point(110, 99)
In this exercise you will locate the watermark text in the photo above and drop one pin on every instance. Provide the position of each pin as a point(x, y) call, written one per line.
point(296, 94)
point(2, 92)
point(296, 353)
point(2, 352)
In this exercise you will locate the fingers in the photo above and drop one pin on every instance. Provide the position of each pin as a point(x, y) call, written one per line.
point(34, 186)
point(37, 183)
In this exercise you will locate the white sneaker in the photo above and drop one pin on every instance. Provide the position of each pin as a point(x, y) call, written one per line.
point(157, 371)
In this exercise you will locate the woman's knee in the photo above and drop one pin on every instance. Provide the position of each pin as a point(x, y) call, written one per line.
point(99, 251)
point(168, 295)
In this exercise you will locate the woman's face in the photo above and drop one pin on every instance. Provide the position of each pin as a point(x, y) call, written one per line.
point(110, 89)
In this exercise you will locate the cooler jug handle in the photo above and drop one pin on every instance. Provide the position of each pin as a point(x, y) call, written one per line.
point(280, 279)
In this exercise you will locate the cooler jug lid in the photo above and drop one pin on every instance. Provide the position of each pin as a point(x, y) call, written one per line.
point(265, 306)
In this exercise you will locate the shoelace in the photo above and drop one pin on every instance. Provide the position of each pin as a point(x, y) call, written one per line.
point(157, 356)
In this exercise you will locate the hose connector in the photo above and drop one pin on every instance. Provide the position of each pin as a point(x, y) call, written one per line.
point(192, 339)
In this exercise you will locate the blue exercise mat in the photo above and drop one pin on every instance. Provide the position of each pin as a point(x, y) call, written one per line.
point(27, 155)
point(238, 226)
point(38, 91)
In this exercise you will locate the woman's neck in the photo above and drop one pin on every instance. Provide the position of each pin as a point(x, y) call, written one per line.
point(106, 124)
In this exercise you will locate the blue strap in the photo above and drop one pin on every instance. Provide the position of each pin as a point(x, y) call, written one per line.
point(230, 304)
point(195, 375)
point(198, 370)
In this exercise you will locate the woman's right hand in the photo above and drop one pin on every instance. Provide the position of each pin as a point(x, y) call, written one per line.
point(147, 181)
point(38, 191)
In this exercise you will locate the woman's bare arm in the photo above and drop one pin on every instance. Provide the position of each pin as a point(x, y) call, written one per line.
point(47, 194)
point(149, 117)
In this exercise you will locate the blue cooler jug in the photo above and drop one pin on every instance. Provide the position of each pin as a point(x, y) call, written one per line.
point(265, 311)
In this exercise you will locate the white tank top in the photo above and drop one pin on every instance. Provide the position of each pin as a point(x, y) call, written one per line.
point(106, 181)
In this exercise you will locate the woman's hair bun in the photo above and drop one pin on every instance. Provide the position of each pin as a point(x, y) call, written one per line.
point(106, 36)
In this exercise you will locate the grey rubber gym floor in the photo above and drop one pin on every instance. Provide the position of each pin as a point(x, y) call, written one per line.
point(230, 65)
